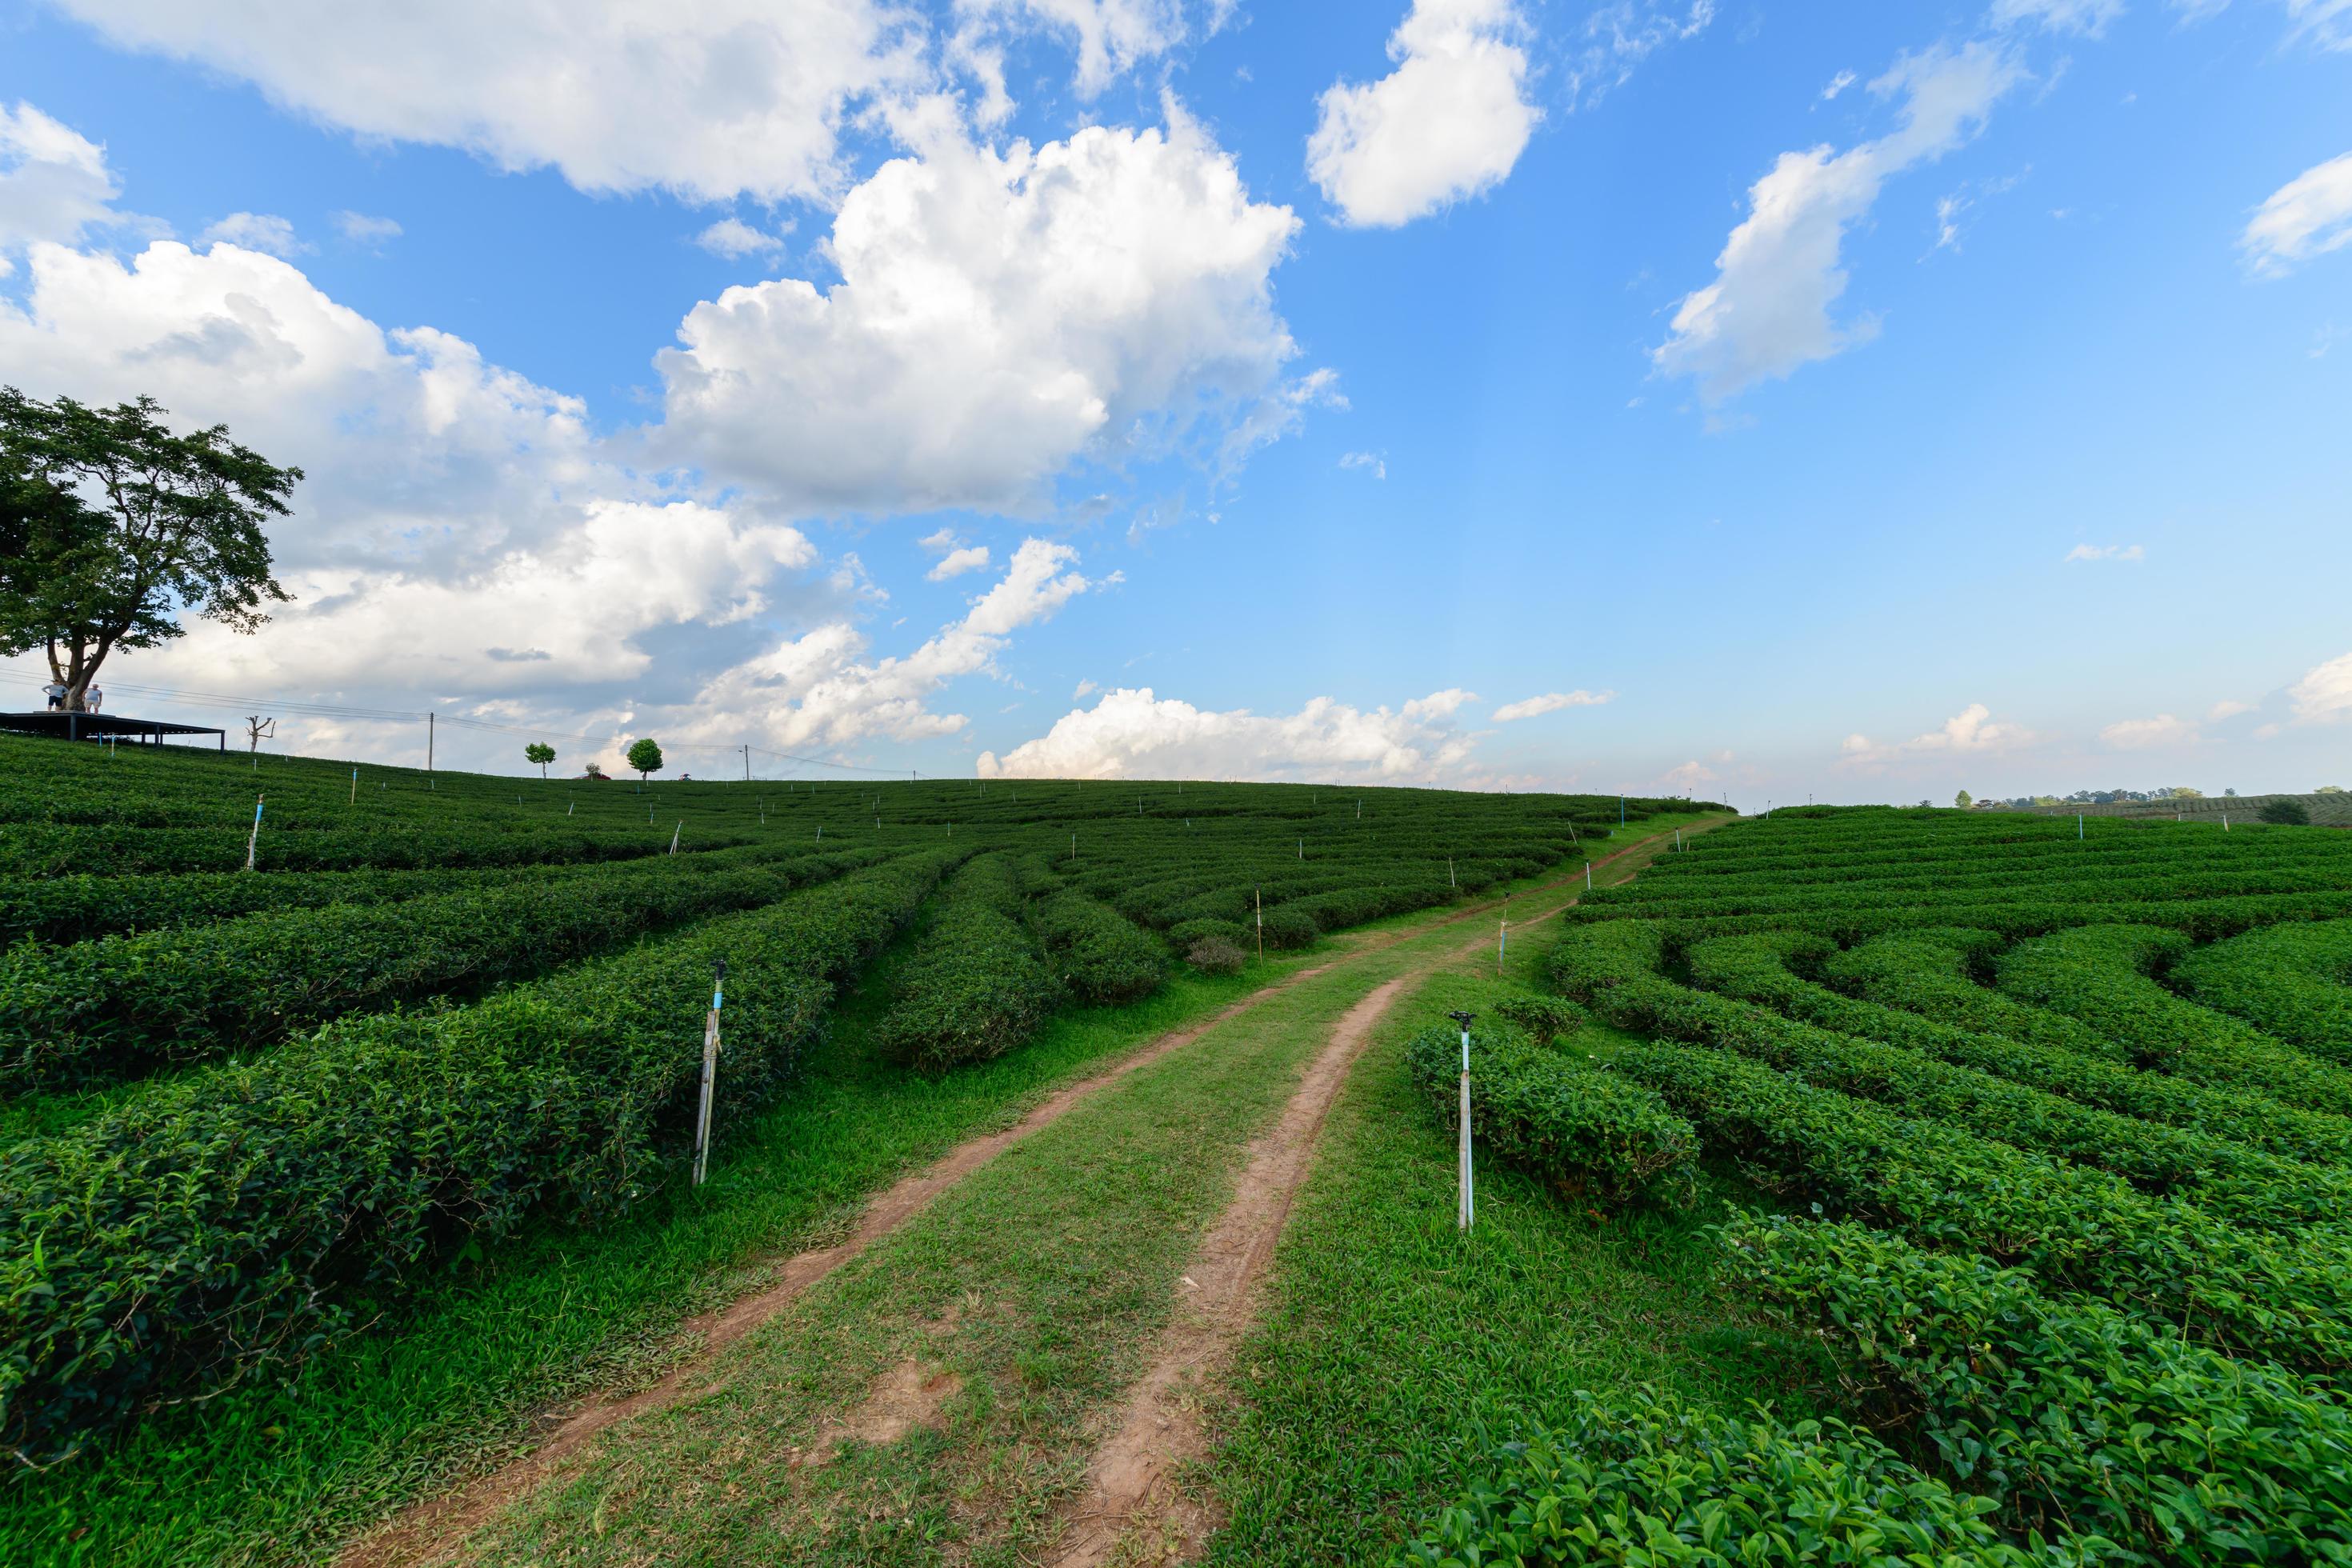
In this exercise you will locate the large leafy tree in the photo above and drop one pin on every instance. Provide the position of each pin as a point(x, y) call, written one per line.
point(645, 756)
point(115, 528)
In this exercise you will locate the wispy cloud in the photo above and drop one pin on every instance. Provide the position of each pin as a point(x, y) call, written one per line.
point(1550, 702)
point(2309, 215)
point(2107, 553)
point(1372, 461)
point(1972, 732)
point(265, 232)
point(2141, 735)
point(735, 240)
point(360, 228)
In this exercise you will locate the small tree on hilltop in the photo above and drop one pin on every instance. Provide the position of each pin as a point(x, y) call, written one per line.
point(113, 530)
point(645, 756)
point(1964, 800)
point(539, 751)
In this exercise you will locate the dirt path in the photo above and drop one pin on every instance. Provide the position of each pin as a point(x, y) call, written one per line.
point(433, 1529)
point(1133, 1510)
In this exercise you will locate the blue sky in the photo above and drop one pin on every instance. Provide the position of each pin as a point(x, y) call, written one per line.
point(1852, 400)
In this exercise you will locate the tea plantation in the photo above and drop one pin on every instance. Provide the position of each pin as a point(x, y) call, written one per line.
point(2041, 1133)
point(248, 1110)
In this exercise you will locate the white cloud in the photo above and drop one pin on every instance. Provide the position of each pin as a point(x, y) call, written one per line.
point(712, 99)
point(998, 316)
point(1372, 461)
point(1085, 688)
point(54, 182)
point(2228, 709)
point(2309, 215)
point(2325, 694)
point(1838, 84)
point(733, 238)
point(265, 232)
point(1447, 123)
point(2088, 19)
point(1972, 732)
point(1552, 702)
point(958, 561)
point(2139, 734)
point(2107, 553)
point(1438, 704)
point(1130, 732)
point(1618, 38)
point(1768, 311)
point(362, 229)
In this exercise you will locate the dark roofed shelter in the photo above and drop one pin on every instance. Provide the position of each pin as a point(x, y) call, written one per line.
point(99, 726)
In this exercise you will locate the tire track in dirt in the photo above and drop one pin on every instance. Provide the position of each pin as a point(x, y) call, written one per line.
point(434, 1528)
point(1133, 1510)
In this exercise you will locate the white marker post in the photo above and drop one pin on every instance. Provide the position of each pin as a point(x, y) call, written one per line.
point(1259, 894)
point(1588, 875)
point(253, 840)
point(355, 787)
point(1503, 948)
point(710, 1069)
point(1465, 1208)
point(674, 833)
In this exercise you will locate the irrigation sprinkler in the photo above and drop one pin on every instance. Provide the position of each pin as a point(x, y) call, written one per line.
point(1259, 894)
point(1503, 947)
point(253, 840)
point(1588, 875)
point(710, 1069)
point(355, 787)
point(1464, 1210)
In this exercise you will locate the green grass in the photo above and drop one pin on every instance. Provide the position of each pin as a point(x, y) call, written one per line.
point(1394, 1351)
point(1039, 1282)
point(280, 1473)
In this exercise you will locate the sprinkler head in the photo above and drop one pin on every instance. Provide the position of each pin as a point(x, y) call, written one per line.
point(1461, 1019)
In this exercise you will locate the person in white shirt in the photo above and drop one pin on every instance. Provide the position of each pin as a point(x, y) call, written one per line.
point(92, 698)
point(56, 692)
